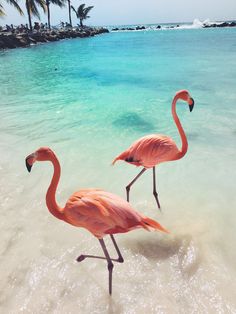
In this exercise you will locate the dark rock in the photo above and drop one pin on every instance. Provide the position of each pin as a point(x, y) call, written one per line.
point(73, 35)
point(39, 37)
point(9, 40)
point(52, 37)
point(2, 44)
point(140, 28)
point(223, 24)
point(32, 40)
point(21, 41)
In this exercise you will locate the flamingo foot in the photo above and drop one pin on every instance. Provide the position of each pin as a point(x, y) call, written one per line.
point(120, 260)
point(80, 258)
point(157, 200)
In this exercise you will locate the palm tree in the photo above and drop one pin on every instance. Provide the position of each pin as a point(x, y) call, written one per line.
point(82, 13)
point(60, 3)
point(15, 4)
point(31, 7)
point(69, 7)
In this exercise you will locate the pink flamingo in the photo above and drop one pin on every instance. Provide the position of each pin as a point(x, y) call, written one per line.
point(98, 211)
point(150, 150)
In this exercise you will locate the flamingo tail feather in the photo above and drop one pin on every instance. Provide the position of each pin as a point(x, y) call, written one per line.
point(148, 222)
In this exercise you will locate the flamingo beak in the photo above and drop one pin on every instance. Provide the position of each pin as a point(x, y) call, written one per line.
point(29, 160)
point(191, 105)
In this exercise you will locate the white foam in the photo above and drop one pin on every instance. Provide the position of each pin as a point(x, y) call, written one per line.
point(197, 24)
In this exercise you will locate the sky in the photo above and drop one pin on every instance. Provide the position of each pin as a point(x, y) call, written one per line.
point(118, 12)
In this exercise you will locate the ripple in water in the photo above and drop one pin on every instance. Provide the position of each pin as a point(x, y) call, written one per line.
point(133, 121)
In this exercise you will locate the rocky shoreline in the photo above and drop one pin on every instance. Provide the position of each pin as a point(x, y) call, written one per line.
point(10, 40)
point(223, 24)
point(138, 28)
point(13, 39)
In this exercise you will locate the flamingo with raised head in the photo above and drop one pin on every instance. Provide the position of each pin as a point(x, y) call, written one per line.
point(153, 149)
point(100, 212)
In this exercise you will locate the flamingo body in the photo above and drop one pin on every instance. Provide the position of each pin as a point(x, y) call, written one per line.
point(102, 213)
point(150, 150)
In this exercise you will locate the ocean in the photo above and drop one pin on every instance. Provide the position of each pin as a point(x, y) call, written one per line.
point(88, 100)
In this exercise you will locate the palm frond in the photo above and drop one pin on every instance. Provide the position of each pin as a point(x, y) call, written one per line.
point(42, 4)
point(33, 9)
point(74, 10)
point(2, 13)
point(80, 10)
point(60, 3)
point(15, 5)
point(86, 11)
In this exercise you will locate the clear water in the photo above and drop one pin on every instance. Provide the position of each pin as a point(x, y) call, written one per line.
point(89, 100)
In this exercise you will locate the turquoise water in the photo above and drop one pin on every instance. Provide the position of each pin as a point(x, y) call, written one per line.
point(89, 99)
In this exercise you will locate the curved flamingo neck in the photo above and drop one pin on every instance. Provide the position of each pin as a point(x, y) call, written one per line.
point(52, 205)
point(184, 147)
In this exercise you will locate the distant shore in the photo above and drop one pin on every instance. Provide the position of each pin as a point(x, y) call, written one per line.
point(16, 39)
point(11, 40)
point(159, 27)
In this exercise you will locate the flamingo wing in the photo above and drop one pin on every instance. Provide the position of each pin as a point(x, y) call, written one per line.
point(101, 212)
point(150, 150)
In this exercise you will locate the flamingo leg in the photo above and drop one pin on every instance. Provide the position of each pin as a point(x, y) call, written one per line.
point(154, 188)
point(120, 258)
point(132, 182)
point(107, 257)
point(82, 257)
point(109, 264)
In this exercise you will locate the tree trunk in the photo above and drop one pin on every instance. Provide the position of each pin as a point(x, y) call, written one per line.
point(48, 11)
point(81, 22)
point(29, 15)
point(69, 13)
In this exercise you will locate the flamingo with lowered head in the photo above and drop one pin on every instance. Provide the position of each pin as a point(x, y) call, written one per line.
point(100, 212)
point(153, 149)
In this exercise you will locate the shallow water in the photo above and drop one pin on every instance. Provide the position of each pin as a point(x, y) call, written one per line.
point(88, 100)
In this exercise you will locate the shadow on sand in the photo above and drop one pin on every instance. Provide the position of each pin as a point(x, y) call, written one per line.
point(182, 247)
point(153, 248)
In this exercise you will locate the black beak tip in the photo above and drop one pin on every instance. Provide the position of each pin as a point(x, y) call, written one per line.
point(28, 166)
point(191, 106)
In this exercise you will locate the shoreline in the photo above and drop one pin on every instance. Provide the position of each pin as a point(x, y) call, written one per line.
point(177, 26)
point(15, 39)
point(11, 40)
